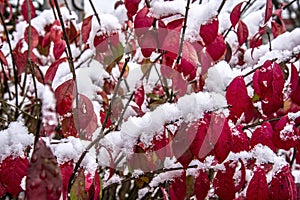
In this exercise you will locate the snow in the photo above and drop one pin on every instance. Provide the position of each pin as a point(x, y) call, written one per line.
point(151, 124)
point(70, 149)
point(283, 47)
point(293, 116)
point(219, 77)
point(14, 140)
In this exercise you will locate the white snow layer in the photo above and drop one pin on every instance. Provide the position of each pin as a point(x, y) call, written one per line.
point(14, 140)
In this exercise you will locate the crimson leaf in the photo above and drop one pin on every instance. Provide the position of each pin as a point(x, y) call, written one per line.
point(242, 32)
point(43, 176)
point(24, 10)
point(12, 171)
point(236, 14)
point(269, 10)
point(86, 28)
point(258, 186)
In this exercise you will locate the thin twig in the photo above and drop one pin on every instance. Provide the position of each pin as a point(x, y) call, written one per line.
point(261, 122)
point(287, 5)
point(221, 6)
point(15, 71)
point(124, 110)
point(95, 12)
point(102, 133)
point(183, 32)
point(269, 38)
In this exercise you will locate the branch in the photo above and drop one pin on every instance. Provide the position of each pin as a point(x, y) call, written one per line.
point(221, 6)
point(288, 5)
point(183, 31)
point(102, 133)
point(261, 122)
point(96, 14)
point(15, 70)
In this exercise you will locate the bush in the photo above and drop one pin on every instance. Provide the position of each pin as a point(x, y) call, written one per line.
point(160, 99)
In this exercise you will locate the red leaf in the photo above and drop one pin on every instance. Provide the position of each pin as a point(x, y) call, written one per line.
point(269, 10)
point(206, 62)
point(66, 171)
point(202, 185)
point(139, 95)
point(101, 43)
point(263, 135)
point(286, 134)
point(175, 25)
point(236, 14)
point(132, 6)
point(59, 48)
point(189, 61)
point(51, 72)
point(84, 113)
point(102, 118)
point(34, 37)
point(283, 185)
point(97, 186)
point(220, 136)
point(56, 31)
point(24, 10)
point(3, 59)
point(171, 44)
point(12, 170)
point(142, 21)
point(2, 190)
point(258, 186)
point(43, 176)
point(64, 97)
point(224, 183)
point(217, 48)
point(237, 97)
point(209, 31)
point(178, 187)
point(241, 179)
point(86, 28)
point(46, 40)
point(148, 43)
point(68, 127)
point(240, 141)
point(294, 78)
point(200, 142)
point(20, 60)
point(242, 32)
point(268, 83)
point(181, 143)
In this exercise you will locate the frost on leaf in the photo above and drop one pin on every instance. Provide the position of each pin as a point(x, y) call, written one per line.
point(286, 134)
point(268, 83)
point(43, 176)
